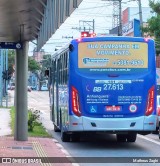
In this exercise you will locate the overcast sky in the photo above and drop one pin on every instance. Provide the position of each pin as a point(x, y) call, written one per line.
point(99, 10)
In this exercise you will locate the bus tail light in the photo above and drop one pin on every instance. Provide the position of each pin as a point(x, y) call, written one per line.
point(150, 102)
point(158, 111)
point(75, 102)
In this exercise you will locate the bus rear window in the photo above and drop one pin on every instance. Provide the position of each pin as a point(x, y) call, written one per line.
point(113, 56)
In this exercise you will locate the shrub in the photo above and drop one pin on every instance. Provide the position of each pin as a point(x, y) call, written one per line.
point(33, 119)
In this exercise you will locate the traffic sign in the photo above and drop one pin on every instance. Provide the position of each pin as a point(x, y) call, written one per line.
point(11, 45)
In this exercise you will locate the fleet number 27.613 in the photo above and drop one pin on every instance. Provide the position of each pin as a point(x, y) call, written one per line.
point(108, 87)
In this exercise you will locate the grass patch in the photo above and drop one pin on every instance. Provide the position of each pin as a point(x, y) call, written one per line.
point(38, 131)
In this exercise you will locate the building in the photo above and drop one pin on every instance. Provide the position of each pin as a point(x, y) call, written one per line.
point(38, 56)
point(131, 13)
point(130, 21)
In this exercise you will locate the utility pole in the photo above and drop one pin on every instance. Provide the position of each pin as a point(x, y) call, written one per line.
point(120, 19)
point(85, 26)
point(1, 80)
point(117, 15)
point(140, 15)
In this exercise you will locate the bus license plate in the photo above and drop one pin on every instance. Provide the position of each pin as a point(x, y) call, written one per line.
point(113, 108)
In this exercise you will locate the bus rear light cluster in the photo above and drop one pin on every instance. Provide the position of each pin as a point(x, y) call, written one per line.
point(150, 102)
point(158, 111)
point(75, 102)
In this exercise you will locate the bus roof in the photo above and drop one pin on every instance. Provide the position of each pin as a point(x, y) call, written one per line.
point(60, 51)
point(112, 38)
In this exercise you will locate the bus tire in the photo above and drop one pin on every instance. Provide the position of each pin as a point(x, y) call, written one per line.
point(121, 137)
point(156, 131)
point(65, 137)
point(131, 137)
point(56, 129)
point(75, 137)
point(159, 130)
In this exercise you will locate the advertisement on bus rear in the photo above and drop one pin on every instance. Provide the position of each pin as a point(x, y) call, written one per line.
point(113, 56)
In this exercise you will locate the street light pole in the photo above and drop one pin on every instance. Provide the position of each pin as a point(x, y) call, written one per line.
point(120, 19)
point(140, 15)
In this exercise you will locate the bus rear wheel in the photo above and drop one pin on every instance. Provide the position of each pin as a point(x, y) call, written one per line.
point(65, 137)
point(121, 137)
point(131, 137)
point(75, 137)
point(56, 129)
point(159, 130)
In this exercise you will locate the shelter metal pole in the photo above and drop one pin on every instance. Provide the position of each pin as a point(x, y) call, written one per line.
point(7, 79)
point(1, 80)
point(21, 103)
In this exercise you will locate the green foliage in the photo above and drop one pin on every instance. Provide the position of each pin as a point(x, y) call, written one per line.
point(33, 65)
point(155, 6)
point(38, 130)
point(46, 62)
point(153, 27)
point(11, 60)
point(33, 118)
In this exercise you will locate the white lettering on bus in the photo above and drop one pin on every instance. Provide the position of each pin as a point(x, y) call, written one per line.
point(110, 46)
point(112, 52)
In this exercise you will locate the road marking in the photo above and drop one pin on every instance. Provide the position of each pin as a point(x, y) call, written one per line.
point(33, 100)
point(66, 153)
point(43, 112)
point(41, 152)
point(149, 139)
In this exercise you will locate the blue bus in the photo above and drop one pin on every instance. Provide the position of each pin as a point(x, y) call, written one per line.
point(104, 84)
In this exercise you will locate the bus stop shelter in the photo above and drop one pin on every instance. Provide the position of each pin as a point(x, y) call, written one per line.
point(22, 21)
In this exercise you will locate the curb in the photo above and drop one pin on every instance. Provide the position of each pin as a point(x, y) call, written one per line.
point(64, 151)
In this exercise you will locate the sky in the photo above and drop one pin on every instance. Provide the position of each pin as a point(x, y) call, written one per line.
point(99, 10)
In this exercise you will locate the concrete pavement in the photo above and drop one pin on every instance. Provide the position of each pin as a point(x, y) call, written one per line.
point(5, 120)
point(27, 151)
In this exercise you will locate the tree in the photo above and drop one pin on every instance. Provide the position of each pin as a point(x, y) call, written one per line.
point(11, 61)
point(153, 27)
point(46, 61)
point(45, 64)
point(33, 66)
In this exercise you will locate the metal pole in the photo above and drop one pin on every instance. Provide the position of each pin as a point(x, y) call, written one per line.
point(7, 79)
point(140, 15)
point(4, 81)
point(93, 25)
point(1, 79)
point(21, 103)
point(120, 18)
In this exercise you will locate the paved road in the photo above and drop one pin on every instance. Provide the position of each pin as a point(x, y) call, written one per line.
point(101, 145)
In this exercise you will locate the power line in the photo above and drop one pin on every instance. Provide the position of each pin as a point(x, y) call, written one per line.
point(93, 7)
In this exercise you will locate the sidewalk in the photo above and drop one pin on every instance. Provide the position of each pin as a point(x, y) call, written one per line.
point(27, 151)
point(34, 147)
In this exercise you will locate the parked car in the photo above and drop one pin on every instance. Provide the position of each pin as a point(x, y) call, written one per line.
point(34, 87)
point(29, 89)
point(12, 86)
point(44, 87)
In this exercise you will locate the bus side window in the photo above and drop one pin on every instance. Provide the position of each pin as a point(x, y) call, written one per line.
point(66, 67)
point(57, 70)
point(63, 68)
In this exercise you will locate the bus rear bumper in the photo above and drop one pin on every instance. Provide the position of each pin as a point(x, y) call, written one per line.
point(143, 123)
